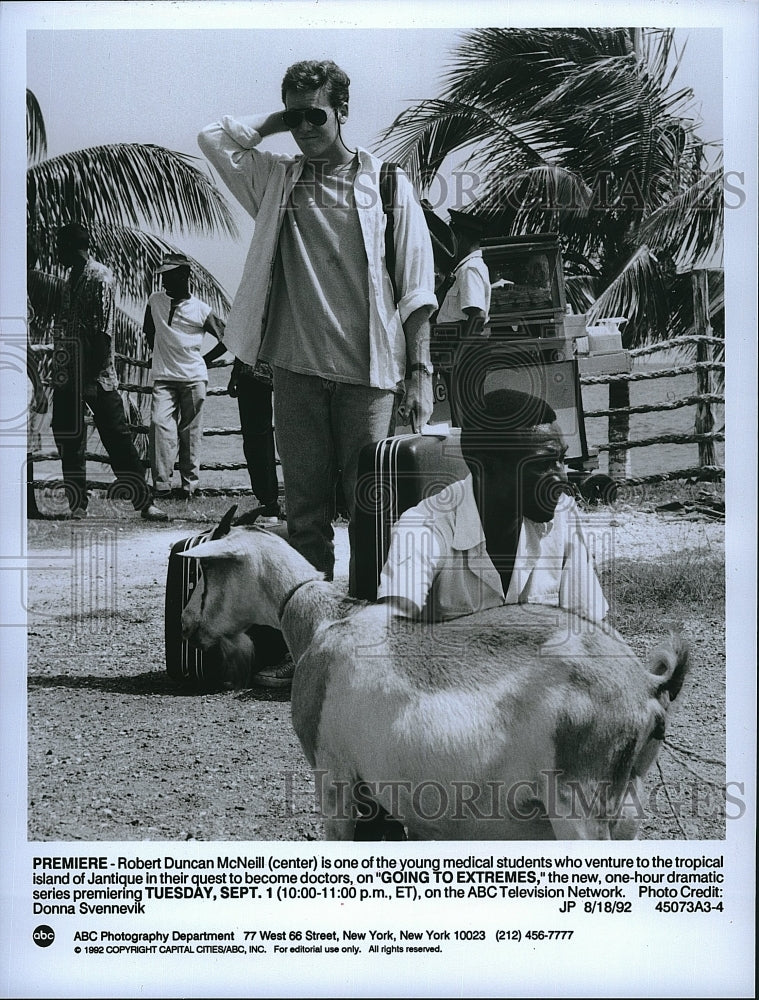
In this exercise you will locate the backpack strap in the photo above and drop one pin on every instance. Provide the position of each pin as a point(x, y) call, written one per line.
point(388, 181)
point(442, 290)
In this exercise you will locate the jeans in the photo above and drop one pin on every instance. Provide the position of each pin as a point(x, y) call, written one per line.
point(70, 434)
point(175, 417)
point(321, 428)
point(255, 405)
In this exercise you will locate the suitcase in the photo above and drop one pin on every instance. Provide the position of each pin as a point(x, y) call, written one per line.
point(393, 475)
point(193, 668)
point(186, 664)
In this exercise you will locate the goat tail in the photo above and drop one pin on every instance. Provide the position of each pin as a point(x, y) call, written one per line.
point(669, 663)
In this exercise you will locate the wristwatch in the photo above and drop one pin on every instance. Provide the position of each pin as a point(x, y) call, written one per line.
point(420, 366)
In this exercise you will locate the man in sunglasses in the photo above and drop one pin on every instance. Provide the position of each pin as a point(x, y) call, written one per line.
point(510, 533)
point(315, 300)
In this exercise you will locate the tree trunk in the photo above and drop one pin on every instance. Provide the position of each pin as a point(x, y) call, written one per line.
point(619, 430)
point(704, 352)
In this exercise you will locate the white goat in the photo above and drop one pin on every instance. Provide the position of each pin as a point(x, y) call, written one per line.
point(519, 723)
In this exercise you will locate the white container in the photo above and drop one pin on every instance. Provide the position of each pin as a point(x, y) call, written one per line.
point(602, 340)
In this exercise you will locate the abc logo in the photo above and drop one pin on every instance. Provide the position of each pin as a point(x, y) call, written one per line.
point(43, 936)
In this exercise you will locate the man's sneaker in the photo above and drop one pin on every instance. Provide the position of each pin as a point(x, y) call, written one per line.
point(78, 514)
point(182, 494)
point(278, 676)
point(271, 513)
point(153, 513)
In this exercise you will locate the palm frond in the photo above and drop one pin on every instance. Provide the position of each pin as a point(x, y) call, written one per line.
point(580, 291)
point(421, 137)
point(134, 256)
point(547, 187)
point(515, 67)
point(44, 293)
point(640, 293)
point(129, 341)
point(689, 225)
point(36, 136)
point(126, 184)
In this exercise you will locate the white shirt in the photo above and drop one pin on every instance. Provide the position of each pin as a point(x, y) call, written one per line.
point(470, 290)
point(177, 351)
point(262, 182)
point(438, 559)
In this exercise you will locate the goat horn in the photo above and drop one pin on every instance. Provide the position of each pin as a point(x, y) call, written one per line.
point(249, 518)
point(224, 524)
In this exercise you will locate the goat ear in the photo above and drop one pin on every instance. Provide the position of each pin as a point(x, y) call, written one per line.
point(228, 547)
point(669, 663)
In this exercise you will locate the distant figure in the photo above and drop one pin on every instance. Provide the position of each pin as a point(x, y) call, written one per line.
point(509, 533)
point(468, 293)
point(174, 325)
point(464, 297)
point(251, 385)
point(84, 374)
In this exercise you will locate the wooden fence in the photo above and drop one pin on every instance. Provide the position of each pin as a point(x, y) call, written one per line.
point(702, 400)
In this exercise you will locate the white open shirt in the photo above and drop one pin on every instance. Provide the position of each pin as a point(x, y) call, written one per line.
point(438, 559)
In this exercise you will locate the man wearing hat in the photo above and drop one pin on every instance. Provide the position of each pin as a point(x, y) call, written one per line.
point(174, 326)
point(84, 374)
point(464, 297)
point(468, 293)
point(510, 533)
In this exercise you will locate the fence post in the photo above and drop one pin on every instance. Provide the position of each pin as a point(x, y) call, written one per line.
point(619, 430)
point(704, 418)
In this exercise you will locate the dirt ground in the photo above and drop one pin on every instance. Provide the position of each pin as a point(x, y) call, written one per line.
point(117, 752)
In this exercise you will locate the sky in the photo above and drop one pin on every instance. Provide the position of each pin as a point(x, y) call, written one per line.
point(102, 85)
point(164, 86)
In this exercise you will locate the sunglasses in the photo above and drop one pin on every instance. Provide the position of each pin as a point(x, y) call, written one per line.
point(314, 116)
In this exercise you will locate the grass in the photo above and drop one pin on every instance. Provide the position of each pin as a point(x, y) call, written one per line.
point(646, 496)
point(693, 576)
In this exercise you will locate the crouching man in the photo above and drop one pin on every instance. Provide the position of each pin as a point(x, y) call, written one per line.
point(510, 533)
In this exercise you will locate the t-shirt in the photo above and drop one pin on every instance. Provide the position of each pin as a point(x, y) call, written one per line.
point(177, 352)
point(318, 318)
point(470, 290)
point(439, 562)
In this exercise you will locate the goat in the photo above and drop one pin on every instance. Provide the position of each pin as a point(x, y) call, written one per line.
point(523, 722)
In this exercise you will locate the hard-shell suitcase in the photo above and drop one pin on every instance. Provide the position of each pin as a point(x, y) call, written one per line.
point(393, 475)
point(190, 666)
point(194, 668)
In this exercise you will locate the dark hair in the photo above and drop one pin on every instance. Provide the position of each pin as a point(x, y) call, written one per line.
point(74, 235)
point(312, 74)
point(497, 423)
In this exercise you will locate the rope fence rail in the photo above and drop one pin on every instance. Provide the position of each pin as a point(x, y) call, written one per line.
point(697, 399)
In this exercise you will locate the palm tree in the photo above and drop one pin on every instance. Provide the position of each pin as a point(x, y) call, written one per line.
point(131, 197)
point(583, 131)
